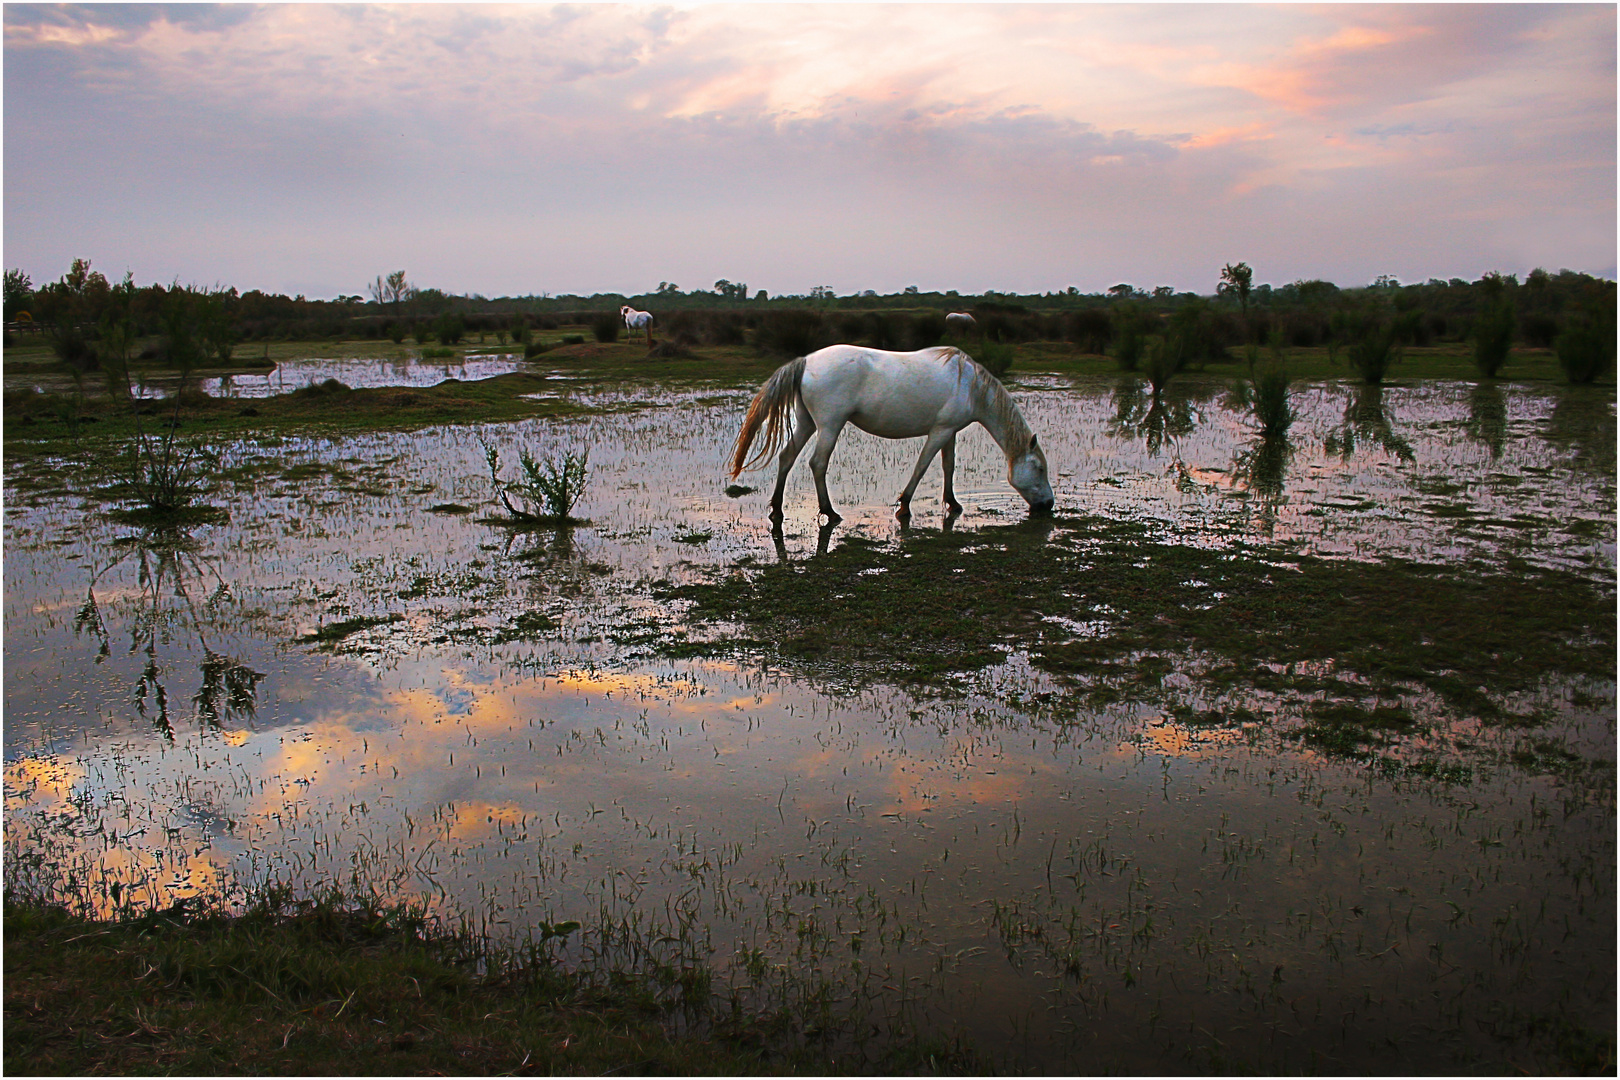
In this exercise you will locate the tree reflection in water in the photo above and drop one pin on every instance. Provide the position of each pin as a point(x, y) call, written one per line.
point(1261, 468)
point(1487, 417)
point(168, 574)
point(1367, 419)
point(1151, 418)
point(1583, 424)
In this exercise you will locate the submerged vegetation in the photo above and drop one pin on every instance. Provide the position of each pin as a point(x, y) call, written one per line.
point(1301, 633)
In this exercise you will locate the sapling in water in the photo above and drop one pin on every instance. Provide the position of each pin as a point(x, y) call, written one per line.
point(557, 483)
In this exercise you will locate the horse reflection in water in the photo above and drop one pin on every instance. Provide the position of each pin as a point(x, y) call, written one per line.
point(932, 394)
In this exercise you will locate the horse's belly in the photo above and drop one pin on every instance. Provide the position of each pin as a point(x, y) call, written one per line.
point(888, 426)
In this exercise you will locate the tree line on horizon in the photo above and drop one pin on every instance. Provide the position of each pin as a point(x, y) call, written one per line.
point(85, 312)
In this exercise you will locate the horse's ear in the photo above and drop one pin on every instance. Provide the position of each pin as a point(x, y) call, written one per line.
point(1032, 442)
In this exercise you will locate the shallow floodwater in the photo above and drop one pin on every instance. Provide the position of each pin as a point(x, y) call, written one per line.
point(1113, 892)
point(359, 373)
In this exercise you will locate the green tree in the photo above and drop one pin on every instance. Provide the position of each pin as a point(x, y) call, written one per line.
point(19, 293)
point(1493, 326)
point(393, 289)
point(1238, 278)
point(449, 329)
point(117, 336)
point(1586, 348)
point(216, 324)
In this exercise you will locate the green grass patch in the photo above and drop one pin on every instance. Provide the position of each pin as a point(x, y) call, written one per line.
point(329, 987)
point(939, 605)
point(333, 633)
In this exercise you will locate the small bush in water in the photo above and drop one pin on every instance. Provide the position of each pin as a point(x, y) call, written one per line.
point(1372, 353)
point(1163, 361)
point(1586, 348)
point(1493, 328)
point(1271, 400)
point(557, 484)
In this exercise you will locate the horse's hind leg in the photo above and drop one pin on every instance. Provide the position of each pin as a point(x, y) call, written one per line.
point(825, 441)
point(804, 426)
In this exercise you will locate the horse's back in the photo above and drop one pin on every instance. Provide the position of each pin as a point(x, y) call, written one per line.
point(893, 394)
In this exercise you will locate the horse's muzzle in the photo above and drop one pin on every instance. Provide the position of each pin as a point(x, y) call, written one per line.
point(1041, 507)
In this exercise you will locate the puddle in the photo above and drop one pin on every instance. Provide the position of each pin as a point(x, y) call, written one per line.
point(354, 372)
point(290, 375)
point(342, 680)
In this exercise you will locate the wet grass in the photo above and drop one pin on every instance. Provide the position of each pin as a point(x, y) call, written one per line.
point(335, 633)
point(328, 987)
point(1341, 641)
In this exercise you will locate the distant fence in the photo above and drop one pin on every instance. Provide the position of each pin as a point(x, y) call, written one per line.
point(29, 327)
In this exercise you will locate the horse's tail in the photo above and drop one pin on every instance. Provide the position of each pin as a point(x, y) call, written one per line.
point(771, 408)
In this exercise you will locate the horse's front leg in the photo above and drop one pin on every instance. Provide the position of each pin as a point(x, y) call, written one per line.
point(825, 441)
point(947, 462)
point(937, 441)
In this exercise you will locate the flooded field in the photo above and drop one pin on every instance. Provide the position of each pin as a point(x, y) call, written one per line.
point(406, 369)
point(359, 373)
point(360, 677)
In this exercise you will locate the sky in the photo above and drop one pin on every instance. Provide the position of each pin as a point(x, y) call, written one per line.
point(306, 148)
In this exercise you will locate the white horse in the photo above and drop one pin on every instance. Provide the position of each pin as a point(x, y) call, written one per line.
point(932, 393)
point(959, 320)
point(637, 320)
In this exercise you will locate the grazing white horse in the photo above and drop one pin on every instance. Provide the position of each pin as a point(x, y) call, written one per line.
point(637, 320)
point(959, 320)
point(932, 393)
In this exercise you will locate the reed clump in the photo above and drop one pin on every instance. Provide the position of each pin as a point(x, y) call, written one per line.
point(1270, 402)
point(1372, 352)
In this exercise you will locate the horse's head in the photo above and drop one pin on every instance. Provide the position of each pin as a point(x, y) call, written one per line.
point(1027, 473)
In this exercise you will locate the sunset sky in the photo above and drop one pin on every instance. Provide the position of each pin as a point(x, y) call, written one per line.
point(593, 148)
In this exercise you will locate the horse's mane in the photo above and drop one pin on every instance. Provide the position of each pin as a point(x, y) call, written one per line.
point(988, 395)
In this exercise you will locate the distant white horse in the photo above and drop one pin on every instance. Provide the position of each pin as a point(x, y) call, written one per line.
point(934, 393)
point(959, 320)
point(637, 320)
